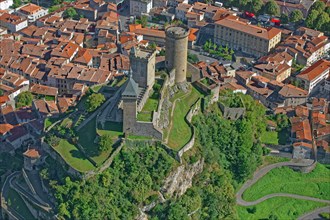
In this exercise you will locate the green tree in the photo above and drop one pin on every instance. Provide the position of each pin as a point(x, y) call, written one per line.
point(296, 16)
point(327, 10)
point(255, 6)
point(152, 46)
point(272, 8)
point(24, 99)
point(311, 18)
point(105, 143)
point(17, 3)
point(284, 18)
point(94, 101)
point(1, 92)
point(318, 6)
point(143, 20)
point(322, 19)
point(70, 13)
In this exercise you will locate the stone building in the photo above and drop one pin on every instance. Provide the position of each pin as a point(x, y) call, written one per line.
point(176, 52)
point(143, 66)
point(138, 7)
point(129, 97)
point(251, 39)
point(31, 159)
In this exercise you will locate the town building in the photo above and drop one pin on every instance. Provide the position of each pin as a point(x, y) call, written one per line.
point(314, 76)
point(139, 7)
point(13, 22)
point(245, 37)
point(5, 4)
point(31, 12)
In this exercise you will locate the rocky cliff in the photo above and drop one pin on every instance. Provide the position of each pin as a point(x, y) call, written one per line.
point(177, 183)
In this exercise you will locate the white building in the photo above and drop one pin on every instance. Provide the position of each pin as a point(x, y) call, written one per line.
point(314, 76)
point(138, 7)
point(5, 4)
point(13, 23)
point(32, 12)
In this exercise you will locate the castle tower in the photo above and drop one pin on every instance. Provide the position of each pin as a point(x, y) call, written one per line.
point(143, 64)
point(129, 97)
point(176, 52)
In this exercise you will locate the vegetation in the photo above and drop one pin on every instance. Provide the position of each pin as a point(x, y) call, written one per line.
point(87, 138)
point(296, 16)
point(16, 202)
point(17, 3)
point(94, 101)
point(180, 132)
point(285, 180)
point(270, 137)
point(192, 58)
point(117, 193)
point(143, 21)
point(49, 122)
point(105, 143)
point(272, 8)
point(319, 17)
point(220, 51)
point(73, 156)
point(278, 208)
point(1, 92)
point(70, 13)
point(254, 6)
point(151, 104)
point(24, 99)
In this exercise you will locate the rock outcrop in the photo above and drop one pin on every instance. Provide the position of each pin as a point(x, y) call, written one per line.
point(177, 183)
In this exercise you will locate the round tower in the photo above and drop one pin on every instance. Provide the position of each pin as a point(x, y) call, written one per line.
point(176, 51)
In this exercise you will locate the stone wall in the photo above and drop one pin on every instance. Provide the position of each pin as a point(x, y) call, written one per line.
point(56, 156)
point(162, 96)
point(193, 111)
point(194, 72)
point(147, 129)
point(304, 168)
point(231, 113)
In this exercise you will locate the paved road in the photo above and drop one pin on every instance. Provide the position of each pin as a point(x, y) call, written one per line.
point(259, 174)
point(315, 213)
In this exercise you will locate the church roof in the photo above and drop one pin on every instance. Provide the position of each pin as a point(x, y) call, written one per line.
point(131, 89)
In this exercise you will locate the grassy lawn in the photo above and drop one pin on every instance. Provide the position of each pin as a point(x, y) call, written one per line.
point(180, 132)
point(113, 129)
point(49, 122)
point(73, 156)
point(270, 137)
point(96, 88)
point(87, 135)
point(16, 202)
point(285, 180)
point(283, 208)
point(148, 108)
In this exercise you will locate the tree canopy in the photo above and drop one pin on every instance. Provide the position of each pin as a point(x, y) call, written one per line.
point(24, 99)
point(70, 13)
point(296, 16)
point(272, 8)
point(94, 101)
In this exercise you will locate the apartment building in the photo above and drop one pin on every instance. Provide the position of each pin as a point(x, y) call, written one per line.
point(5, 4)
point(243, 36)
point(138, 7)
point(313, 77)
point(32, 12)
point(13, 23)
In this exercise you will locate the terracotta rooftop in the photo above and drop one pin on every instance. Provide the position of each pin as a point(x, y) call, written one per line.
point(314, 71)
point(4, 128)
point(248, 28)
point(32, 153)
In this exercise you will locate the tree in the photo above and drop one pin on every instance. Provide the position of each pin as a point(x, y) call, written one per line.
point(143, 20)
point(255, 6)
point(24, 99)
point(105, 143)
point(272, 8)
point(318, 6)
point(284, 18)
point(1, 92)
point(17, 3)
point(311, 18)
point(70, 13)
point(152, 46)
point(296, 16)
point(327, 10)
point(322, 19)
point(94, 101)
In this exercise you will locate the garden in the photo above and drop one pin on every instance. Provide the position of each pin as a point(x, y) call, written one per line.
point(218, 51)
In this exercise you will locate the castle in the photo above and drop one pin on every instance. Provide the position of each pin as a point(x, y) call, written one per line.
point(142, 79)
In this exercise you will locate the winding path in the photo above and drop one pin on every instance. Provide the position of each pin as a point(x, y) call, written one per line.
point(263, 171)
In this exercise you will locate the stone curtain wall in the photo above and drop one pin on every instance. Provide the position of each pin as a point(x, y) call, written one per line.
point(193, 111)
point(231, 113)
point(156, 114)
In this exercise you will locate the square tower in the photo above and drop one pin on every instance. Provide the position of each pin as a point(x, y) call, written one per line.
point(143, 64)
point(129, 97)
